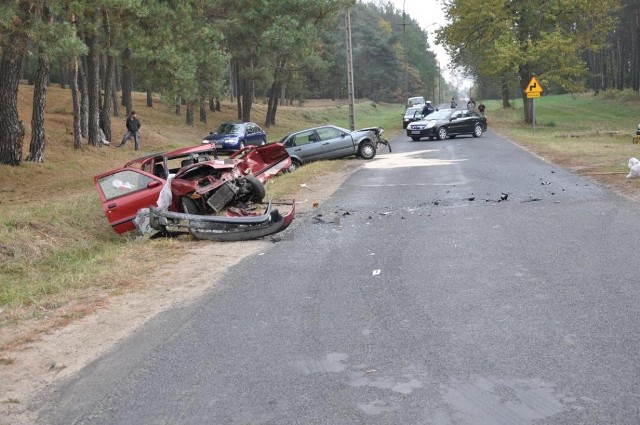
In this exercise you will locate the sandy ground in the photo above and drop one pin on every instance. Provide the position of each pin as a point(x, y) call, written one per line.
point(52, 356)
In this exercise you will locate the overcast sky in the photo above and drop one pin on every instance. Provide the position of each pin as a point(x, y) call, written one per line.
point(429, 14)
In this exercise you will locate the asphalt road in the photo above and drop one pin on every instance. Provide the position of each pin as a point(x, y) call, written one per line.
point(417, 294)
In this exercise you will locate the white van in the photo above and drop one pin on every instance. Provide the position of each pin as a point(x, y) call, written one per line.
point(415, 101)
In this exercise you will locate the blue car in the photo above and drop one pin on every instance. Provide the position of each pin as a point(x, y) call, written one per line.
point(233, 136)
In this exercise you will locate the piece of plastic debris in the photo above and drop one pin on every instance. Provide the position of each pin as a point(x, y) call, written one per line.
point(376, 272)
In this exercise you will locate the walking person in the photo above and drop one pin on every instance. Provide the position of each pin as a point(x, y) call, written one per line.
point(454, 104)
point(133, 125)
point(481, 108)
point(471, 105)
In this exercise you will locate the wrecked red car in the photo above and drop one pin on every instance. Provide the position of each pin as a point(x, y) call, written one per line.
point(201, 185)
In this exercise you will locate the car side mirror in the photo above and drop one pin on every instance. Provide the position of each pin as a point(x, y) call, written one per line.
point(211, 132)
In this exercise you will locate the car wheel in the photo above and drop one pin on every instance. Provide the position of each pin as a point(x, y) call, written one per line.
point(442, 133)
point(263, 142)
point(242, 145)
point(256, 188)
point(189, 206)
point(295, 164)
point(477, 130)
point(415, 138)
point(367, 150)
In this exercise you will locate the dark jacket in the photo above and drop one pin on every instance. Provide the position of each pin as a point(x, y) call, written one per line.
point(133, 124)
point(427, 109)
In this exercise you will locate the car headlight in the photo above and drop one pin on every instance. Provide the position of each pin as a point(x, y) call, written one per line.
point(205, 142)
point(230, 142)
point(431, 124)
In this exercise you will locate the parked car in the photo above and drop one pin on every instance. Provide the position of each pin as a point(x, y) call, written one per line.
point(412, 114)
point(233, 136)
point(415, 101)
point(202, 183)
point(447, 123)
point(328, 142)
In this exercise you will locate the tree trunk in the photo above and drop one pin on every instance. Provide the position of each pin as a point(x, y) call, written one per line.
point(105, 113)
point(109, 72)
point(115, 105)
point(178, 103)
point(149, 98)
point(84, 97)
point(64, 74)
point(212, 105)
point(11, 128)
point(127, 82)
point(38, 140)
point(247, 100)
point(93, 86)
point(203, 112)
point(75, 98)
point(505, 93)
point(189, 116)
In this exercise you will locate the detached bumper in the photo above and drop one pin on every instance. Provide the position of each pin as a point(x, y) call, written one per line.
point(221, 228)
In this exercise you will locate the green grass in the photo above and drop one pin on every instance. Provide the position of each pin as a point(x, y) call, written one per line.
point(583, 131)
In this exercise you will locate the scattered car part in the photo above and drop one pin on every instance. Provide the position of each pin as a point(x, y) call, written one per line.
point(221, 228)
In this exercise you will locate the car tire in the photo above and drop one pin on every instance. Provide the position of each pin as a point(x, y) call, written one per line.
point(242, 146)
point(295, 164)
point(414, 138)
point(256, 187)
point(477, 130)
point(367, 150)
point(262, 142)
point(442, 133)
point(189, 206)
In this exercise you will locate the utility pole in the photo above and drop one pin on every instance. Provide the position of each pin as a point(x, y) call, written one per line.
point(404, 50)
point(350, 89)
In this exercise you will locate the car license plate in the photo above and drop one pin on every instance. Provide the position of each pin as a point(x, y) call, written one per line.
point(415, 132)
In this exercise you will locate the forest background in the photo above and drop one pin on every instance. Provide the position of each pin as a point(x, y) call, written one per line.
point(196, 52)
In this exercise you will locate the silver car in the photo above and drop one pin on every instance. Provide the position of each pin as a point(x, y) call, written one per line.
point(328, 142)
point(412, 114)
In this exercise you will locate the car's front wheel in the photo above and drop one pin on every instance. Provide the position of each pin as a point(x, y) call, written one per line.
point(263, 142)
point(254, 188)
point(295, 164)
point(442, 133)
point(367, 150)
point(477, 130)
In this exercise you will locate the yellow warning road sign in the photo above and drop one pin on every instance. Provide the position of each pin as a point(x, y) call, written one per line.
point(533, 87)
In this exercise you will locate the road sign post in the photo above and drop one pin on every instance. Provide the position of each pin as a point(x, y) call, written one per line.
point(533, 90)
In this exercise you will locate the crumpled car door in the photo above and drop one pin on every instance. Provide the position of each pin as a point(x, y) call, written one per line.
point(123, 192)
